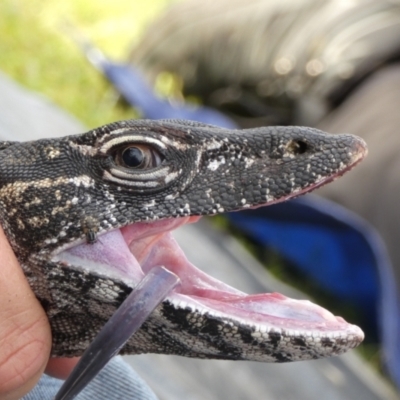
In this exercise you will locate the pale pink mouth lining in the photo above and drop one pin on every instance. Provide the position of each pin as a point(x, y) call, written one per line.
point(128, 253)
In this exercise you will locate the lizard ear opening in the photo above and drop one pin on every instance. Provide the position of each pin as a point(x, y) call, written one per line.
point(296, 147)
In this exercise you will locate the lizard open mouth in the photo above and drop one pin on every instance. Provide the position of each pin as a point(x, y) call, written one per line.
point(68, 207)
point(130, 252)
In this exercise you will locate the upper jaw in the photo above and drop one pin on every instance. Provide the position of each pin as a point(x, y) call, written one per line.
point(127, 254)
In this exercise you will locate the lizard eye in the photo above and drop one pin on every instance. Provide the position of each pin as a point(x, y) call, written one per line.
point(138, 157)
point(139, 162)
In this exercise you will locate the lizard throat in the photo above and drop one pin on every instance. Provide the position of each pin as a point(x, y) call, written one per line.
point(128, 253)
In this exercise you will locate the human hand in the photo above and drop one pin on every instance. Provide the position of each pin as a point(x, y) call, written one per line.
point(25, 336)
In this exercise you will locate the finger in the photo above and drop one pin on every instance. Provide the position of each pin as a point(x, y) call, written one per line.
point(25, 337)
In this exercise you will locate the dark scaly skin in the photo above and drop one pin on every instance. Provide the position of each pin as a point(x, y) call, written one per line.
point(57, 191)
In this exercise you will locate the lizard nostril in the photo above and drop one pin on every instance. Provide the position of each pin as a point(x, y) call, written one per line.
point(297, 147)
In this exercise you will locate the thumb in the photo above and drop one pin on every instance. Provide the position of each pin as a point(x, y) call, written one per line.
point(25, 337)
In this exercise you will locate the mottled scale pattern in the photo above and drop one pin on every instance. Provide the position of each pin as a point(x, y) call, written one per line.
point(55, 192)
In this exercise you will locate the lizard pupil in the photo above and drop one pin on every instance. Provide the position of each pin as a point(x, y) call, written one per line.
point(133, 157)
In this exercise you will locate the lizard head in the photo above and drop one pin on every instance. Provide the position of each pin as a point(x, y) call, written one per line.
point(89, 215)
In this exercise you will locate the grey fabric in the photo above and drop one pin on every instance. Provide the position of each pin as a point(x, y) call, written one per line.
point(270, 62)
point(117, 381)
point(26, 115)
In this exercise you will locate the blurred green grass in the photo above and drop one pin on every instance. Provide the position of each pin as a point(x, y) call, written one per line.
point(37, 51)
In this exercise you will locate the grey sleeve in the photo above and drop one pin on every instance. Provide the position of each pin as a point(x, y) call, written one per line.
point(117, 381)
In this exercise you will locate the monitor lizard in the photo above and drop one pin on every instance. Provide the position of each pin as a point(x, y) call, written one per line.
point(87, 215)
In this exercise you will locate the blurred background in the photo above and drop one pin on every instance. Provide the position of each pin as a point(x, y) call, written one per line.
point(330, 64)
point(38, 49)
